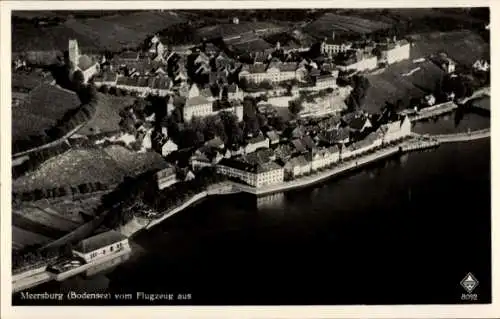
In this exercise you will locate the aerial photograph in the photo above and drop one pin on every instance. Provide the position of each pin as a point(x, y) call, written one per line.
point(251, 157)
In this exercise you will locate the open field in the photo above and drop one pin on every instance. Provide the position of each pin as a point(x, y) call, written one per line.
point(31, 37)
point(464, 47)
point(390, 85)
point(107, 116)
point(40, 216)
point(108, 32)
point(135, 163)
point(71, 168)
point(123, 31)
point(22, 238)
point(71, 208)
point(343, 24)
point(42, 108)
point(25, 82)
point(228, 30)
point(35, 227)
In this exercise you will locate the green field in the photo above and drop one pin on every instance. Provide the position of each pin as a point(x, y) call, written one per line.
point(72, 168)
point(343, 24)
point(109, 32)
point(44, 106)
point(107, 116)
point(464, 47)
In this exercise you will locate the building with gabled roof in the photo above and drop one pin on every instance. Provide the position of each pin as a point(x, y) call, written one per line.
point(396, 130)
point(101, 245)
point(256, 143)
point(166, 177)
point(297, 166)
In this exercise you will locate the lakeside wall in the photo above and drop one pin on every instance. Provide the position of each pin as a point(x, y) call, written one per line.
point(136, 225)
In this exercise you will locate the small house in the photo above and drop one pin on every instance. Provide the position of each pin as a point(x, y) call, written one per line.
point(101, 245)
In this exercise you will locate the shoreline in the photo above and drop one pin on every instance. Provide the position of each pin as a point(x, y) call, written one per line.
point(138, 224)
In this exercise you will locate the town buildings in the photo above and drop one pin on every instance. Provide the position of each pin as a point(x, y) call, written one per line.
point(274, 72)
point(332, 46)
point(481, 65)
point(101, 245)
point(394, 51)
point(360, 61)
point(166, 177)
point(322, 106)
point(396, 130)
point(256, 175)
point(256, 143)
point(370, 142)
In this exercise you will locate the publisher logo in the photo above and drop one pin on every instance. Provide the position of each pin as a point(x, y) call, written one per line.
point(469, 283)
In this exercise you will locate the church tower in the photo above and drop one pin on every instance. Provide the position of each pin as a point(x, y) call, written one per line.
point(73, 52)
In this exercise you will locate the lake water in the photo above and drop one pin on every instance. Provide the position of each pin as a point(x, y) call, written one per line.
point(405, 230)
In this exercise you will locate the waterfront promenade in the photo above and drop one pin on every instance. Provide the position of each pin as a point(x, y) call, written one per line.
point(433, 111)
point(416, 142)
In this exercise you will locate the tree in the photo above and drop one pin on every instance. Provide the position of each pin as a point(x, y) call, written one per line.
point(78, 79)
point(265, 85)
point(295, 106)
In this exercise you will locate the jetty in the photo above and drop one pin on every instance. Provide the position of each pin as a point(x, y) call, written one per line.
point(462, 137)
point(433, 111)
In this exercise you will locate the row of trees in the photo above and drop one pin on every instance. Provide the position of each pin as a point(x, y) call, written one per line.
point(37, 194)
point(251, 86)
point(70, 120)
point(178, 193)
point(37, 158)
point(33, 256)
point(360, 85)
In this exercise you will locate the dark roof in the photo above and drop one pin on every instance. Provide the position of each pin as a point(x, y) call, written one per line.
point(272, 135)
point(85, 62)
point(288, 67)
point(299, 146)
point(357, 123)
point(99, 241)
point(283, 151)
point(260, 157)
point(256, 139)
point(334, 136)
point(169, 171)
point(197, 100)
point(107, 76)
point(255, 68)
point(128, 55)
point(308, 142)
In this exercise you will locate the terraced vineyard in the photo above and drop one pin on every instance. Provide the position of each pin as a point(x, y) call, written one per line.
point(340, 24)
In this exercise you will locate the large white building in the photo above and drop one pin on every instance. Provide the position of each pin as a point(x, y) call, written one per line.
point(274, 72)
point(396, 130)
point(332, 46)
point(325, 157)
point(257, 175)
point(201, 107)
point(143, 85)
point(81, 62)
point(363, 62)
point(322, 106)
point(395, 52)
point(166, 177)
point(198, 106)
